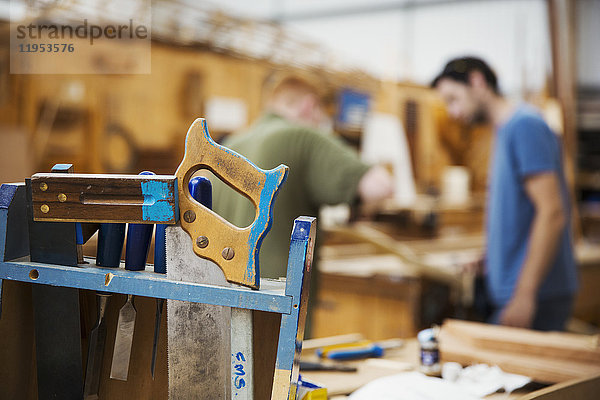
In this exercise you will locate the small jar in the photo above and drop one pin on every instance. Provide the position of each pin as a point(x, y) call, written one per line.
point(430, 352)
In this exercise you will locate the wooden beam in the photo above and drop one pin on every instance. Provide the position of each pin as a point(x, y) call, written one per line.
point(561, 14)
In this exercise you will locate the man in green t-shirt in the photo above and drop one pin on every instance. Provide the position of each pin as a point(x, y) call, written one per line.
point(323, 170)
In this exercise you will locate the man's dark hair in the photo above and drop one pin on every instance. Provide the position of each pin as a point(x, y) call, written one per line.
point(459, 69)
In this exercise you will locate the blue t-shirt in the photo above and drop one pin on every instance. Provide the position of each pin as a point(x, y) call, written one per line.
point(524, 146)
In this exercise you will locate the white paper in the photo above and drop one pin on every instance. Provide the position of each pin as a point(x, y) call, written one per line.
point(474, 382)
point(384, 142)
point(411, 386)
point(481, 380)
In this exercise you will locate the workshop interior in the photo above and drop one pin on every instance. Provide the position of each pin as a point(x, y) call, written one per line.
point(311, 200)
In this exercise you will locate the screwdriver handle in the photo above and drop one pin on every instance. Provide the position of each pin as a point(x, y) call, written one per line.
point(355, 353)
point(160, 258)
point(201, 191)
point(110, 245)
point(138, 243)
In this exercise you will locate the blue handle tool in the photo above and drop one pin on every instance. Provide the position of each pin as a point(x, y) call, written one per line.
point(110, 245)
point(138, 243)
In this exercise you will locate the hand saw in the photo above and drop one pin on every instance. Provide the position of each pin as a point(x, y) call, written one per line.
point(235, 250)
point(200, 348)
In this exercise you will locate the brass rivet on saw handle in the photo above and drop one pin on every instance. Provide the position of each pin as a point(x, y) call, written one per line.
point(45, 208)
point(43, 186)
point(189, 216)
point(228, 253)
point(62, 197)
point(202, 241)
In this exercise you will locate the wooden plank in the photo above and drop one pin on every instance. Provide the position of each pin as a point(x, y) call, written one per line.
point(384, 242)
point(586, 388)
point(563, 22)
point(562, 345)
point(543, 367)
point(18, 377)
point(266, 331)
point(105, 198)
point(313, 344)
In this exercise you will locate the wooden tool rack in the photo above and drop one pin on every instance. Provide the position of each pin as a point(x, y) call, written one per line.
point(287, 298)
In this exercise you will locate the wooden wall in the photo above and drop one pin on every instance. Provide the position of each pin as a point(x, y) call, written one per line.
point(125, 123)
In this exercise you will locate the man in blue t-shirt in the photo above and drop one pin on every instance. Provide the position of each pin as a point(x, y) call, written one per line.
point(530, 272)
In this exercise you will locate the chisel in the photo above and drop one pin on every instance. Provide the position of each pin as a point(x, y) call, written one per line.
point(110, 246)
point(136, 253)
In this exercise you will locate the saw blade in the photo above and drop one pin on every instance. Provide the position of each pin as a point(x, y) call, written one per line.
point(199, 335)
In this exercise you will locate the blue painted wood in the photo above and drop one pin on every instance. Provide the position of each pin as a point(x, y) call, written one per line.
point(291, 331)
point(7, 193)
point(156, 205)
point(62, 168)
point(150, 284)
point(275, 179)
point(14, 238)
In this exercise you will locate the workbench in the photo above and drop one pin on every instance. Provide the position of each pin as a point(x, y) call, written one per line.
point(406, 358)
point(367, 289)
point(341, 384)
point(362, 288)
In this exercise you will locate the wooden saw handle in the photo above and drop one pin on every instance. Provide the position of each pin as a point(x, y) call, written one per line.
point(235, 250)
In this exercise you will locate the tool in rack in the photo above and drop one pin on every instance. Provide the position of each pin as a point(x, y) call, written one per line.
point(108, 254)
point(161, 199)
point(139, 237)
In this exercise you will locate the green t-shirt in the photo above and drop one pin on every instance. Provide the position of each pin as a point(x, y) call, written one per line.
point(323, 170)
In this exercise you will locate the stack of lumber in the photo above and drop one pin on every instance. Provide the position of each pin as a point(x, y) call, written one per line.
point(547, 357)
